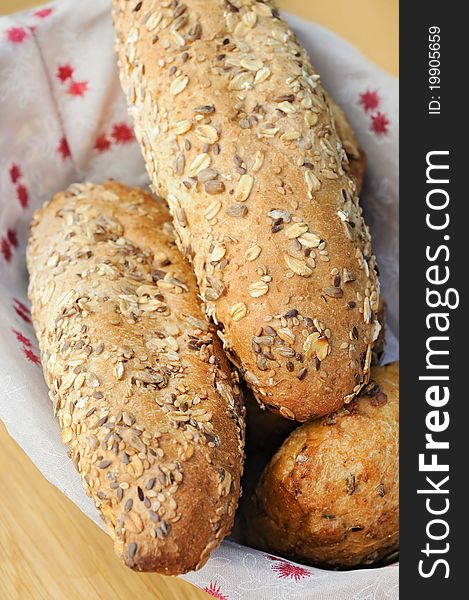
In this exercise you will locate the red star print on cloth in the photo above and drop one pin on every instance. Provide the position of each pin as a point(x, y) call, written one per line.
point(287, 570)
point(43, 13)
point(64, 72)
point(22, 195)
point(22, 338)
point(63, 148)
point(77, 88)
point(16, 35)
point(15, 173)
point(122, 133)
point(21, 306)
point(21, 310)
point(214, 590)
point(102, 143)
point(12, 237)
point(5, 249)
point(369, 100)
point(31, 356)
point(379, 123)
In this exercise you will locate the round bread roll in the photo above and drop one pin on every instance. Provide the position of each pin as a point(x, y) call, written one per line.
point(148, 406)
point(239, 137)
point(330, 494)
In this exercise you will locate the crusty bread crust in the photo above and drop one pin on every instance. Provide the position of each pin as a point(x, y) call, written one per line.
point(238, 136)
point(330, 495)
point(145, 398)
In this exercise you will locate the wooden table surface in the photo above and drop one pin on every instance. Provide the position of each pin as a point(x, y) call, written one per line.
point(49, 549)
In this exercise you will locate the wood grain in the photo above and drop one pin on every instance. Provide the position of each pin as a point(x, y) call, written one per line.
point(49, 549)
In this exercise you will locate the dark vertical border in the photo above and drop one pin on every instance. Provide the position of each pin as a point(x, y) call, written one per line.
point(422, 133)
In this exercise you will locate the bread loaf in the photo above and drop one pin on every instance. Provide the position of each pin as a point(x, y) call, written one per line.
point(330, 495)
point(238, 136)
point(147, 404)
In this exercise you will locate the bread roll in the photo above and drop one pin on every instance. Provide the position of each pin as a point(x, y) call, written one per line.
point(147, 404)
point(330, 495)
point(238, 136)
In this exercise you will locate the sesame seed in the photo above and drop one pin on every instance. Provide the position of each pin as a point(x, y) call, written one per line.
point(104, 464)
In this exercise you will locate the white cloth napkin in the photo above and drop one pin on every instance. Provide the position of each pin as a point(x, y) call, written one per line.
point(63, 119)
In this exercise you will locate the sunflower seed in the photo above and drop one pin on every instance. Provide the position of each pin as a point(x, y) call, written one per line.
point(207, 175)
point(207, 109)
point(180, 164)
point(214, 187)
point(132, 550)
point(237, 210)
point(195, 33)
point(333, 292)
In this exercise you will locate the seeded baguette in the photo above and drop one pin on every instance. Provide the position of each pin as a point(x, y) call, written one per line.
point(330, 494)
point(238, 136)
point(146, 401)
